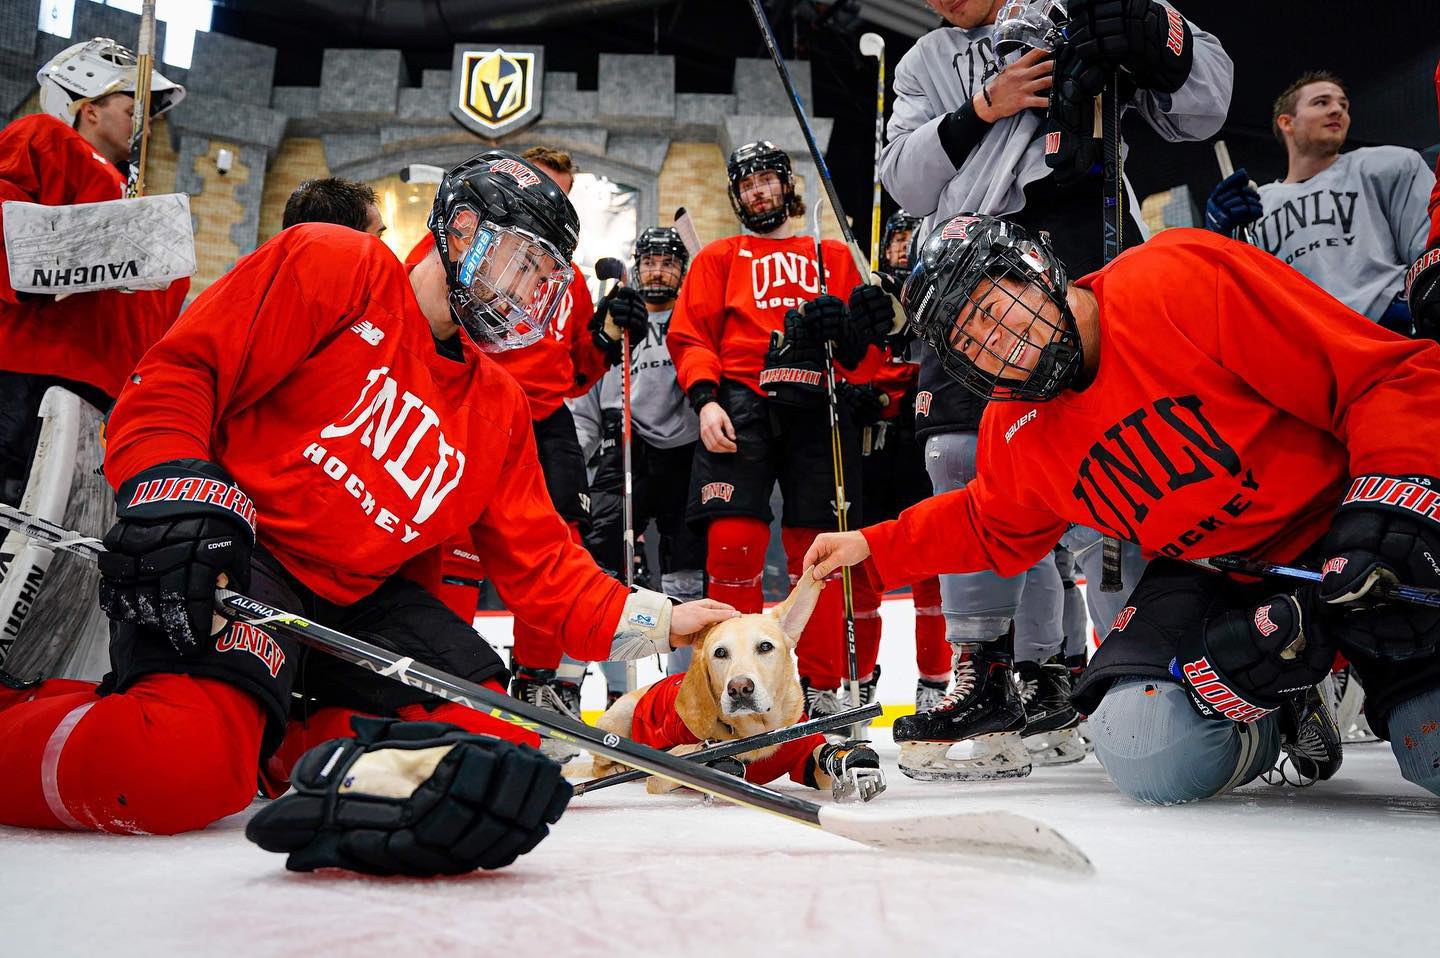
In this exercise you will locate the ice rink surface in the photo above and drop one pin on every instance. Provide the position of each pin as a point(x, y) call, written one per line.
point(1349, 868)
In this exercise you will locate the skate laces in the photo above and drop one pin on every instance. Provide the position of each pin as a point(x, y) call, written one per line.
point(964, 684)
point(544, 696)
point(820, 702)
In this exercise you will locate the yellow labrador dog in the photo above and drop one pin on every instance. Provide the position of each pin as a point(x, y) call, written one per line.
point(741, 682)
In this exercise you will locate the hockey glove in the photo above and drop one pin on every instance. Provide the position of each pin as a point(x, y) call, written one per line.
point(871, 318)
point(1241, 664)
point(412, 798)
point(822, 318)
point(852, 767)
point(794, 373)
point(1150, 41)
point(622, 311)
point(1384, 532)
point(1072, 151)
point(1422, 289)
point(1232, 204)
point(180, 525)
point(867, 404)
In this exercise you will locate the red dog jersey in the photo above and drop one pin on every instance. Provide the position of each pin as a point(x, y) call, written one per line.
point(736, 293)
point(566, 363)
point(94, 338)
point(658, 725)
point(310, 373)
point(1233, 402)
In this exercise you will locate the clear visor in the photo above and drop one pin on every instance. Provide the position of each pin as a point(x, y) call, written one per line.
point(508, 282)
point(1023, 25)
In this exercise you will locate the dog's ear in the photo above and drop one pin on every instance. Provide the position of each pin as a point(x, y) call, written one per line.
point(696, 704)
point(795, 611)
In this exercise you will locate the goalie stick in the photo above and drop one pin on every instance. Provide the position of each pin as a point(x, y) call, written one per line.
point(741, 745)
point(988, 834)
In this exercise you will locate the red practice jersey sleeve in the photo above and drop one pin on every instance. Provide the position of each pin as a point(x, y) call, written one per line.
point(658, 725)
point(736, 293)
point(94, 338)
point(310, 374)
point(1233, 402)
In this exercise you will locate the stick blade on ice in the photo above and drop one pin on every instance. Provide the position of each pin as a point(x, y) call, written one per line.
point(989, 834)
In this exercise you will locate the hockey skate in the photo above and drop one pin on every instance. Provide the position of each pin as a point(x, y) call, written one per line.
point(820, 702)
point(928, 694)
point(981, 710)
point(1051, 733)
point(1310, 742)
point(854, 770)
point(1350, 708)
point(542, 689)
point(867, 695)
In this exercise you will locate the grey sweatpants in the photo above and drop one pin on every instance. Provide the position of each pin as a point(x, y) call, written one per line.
point(979, 606)
point(1084, 545)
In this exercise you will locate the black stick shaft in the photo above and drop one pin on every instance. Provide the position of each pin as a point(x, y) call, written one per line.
point(741, 745)
point(1413, 594)
point(1111, 573)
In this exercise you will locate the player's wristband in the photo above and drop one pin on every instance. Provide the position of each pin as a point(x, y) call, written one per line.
point(702, 394)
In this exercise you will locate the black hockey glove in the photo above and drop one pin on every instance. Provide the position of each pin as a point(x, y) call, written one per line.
point(872, 316)
point(180, 525)
point(1072, 151)
point(1422, 289)
point(794, 373)
point(623, 310)
point(852, 767)
point(1149, 41)
point(1241, 664)
point(821, 319)
point(412, 798)
point(866, 403)
point(1232, 204)
point(1384, 532)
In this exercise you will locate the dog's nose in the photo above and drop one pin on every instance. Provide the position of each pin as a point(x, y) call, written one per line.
point(740, 688)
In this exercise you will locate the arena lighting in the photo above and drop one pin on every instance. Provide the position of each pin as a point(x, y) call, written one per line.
point(421, 173)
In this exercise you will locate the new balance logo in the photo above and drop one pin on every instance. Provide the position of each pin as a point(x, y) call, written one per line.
point(369, 332)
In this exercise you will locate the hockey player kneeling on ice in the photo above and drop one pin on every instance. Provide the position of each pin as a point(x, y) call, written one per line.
point(742, 682)
point(1199, 398)
point(317, 427)
point(413, 798)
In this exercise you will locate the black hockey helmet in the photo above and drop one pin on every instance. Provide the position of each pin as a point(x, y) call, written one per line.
point(900, 225)
point(505, 233)
point(665, 242)
point(990, 300)
point(754, 158)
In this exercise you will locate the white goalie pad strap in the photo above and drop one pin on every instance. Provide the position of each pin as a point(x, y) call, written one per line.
point(144, 243)
point(644, 627)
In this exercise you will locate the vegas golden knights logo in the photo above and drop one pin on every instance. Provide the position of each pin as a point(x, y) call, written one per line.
point(497, 91)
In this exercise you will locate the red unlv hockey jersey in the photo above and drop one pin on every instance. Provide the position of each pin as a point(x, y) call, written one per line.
point(310, 373)
point(736, 293)
point(1233, 402)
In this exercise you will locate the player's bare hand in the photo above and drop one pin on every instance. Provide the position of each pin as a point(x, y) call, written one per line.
point(688, 618)
point(831, 550)
point(716, 430)
point(1023, 85)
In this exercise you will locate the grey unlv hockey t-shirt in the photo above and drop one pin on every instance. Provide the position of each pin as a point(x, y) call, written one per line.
point(942, 71)
point(662, 415)
point(1355, 228)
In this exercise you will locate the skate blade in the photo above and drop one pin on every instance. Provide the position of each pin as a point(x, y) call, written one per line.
point(997, 756)
point(1053, 749)
point(865, 784)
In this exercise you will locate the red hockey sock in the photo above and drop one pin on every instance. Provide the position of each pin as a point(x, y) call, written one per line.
point(533, 648)
point(170, 754)
point(867, 626)
point(821, 652)
point(932, 652)
point(735, 561)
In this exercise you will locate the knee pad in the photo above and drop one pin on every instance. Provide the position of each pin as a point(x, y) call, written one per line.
point(735, 550)
point(1414, 727)
point(684, 584)
point(1157, 750)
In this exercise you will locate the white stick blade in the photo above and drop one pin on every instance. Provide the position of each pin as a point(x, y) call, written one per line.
point(985, 834)
point(872, 44)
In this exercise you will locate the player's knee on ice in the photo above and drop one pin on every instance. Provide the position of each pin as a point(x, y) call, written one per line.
point(1414, 727)
point(1157, 750)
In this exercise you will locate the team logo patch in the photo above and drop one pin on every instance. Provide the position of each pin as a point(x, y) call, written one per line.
point(958, 227)
point(517, 171)
point(1336, 565)
point(1123, 619)
point(369, 332)
point(1262, 621)
point(243, 637)
point(716, 490)
point(497, 91)
point(1052, 143)
point(922, 402)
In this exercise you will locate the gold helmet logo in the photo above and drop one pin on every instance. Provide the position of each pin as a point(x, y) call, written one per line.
point(498, 90)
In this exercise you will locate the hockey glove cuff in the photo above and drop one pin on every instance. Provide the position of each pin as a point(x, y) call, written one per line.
point(618, 313)
point(794, 372)
point(644, 627)
point(1422, 290)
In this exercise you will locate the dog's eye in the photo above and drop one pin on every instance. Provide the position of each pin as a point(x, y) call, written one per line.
point(765, 647)
point(722, 653)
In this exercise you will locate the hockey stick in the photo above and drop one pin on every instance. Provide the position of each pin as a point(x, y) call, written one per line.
point(1414, 594)
point(740, 745)
point(685, 226)
point(873, 45)
point(140, 122)
point(996, 834)
point(1111, 573)
point(837, 468)
point(611, 268)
